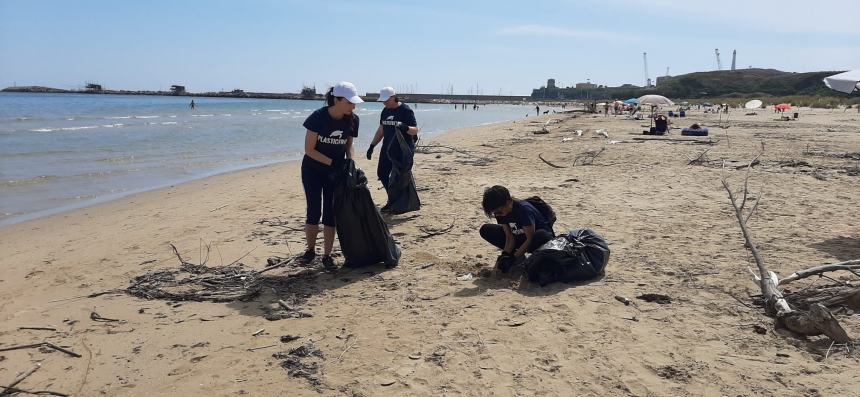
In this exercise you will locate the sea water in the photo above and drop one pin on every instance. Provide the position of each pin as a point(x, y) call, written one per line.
point(65, 151)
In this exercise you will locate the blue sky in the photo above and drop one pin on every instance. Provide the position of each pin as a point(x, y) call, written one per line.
point(422, 46)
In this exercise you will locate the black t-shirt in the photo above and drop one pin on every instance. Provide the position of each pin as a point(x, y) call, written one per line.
point(332, 134)
point(523, 214)
point(389, 118)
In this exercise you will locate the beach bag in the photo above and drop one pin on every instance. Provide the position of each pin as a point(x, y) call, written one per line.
point(580, 254)
point(544, 209)
point(363, 235)
point(402, 194)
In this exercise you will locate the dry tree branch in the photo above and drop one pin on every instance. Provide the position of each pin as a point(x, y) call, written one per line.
point(851, 266)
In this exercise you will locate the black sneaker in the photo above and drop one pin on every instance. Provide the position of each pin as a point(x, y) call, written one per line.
point(308, 256)
point(328, 263)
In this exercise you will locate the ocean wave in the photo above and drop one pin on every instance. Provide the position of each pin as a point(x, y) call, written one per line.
point(275, 118)
point(146, 117)
point(427, 110)
point(202, 115)
point(173, 116)
point(44, 129)
point(226, 114)
point(29, 181)
point(83, 127)
point(276, 110)
point(117, 117)
point(169, 123)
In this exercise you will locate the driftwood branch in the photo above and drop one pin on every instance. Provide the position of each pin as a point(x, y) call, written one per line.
point(43, 344)
point(20, 378)
point(818, 320)
point(540, 156)
point(818, 270)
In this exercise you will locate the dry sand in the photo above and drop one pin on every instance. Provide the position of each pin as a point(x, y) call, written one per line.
point(417, 329)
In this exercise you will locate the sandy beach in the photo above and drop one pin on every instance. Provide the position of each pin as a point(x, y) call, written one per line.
point(417, 329)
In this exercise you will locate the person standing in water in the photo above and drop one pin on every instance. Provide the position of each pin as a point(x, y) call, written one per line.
point(396, 118)
point(192, 105)
point(328, 145)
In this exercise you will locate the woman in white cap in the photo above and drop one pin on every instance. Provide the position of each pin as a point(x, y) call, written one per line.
point(328, 143)
point(396, 117)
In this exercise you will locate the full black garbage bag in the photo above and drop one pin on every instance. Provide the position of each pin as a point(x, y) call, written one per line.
point(402, 195)
point(579, 254)
point(363, 235)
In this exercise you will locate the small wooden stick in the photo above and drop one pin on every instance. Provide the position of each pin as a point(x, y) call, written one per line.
point(540, 156)
point(20, 378)
point(340, 358)
point(38, 328)
point(260, 347)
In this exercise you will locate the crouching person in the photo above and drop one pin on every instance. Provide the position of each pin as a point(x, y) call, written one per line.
point(521, 228)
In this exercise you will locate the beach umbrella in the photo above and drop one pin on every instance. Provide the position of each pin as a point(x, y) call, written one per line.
point(707, 104)
point(654, 100)
point(847, 82)
point(631, 101)
point(783, 106)
point(753, 104)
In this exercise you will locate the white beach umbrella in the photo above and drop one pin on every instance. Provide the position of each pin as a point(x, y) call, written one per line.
point(847, 82)
point(753, 104)
point(654, 100)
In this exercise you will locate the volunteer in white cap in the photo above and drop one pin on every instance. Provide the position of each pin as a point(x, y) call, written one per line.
point(396, 117)
point(328, 144)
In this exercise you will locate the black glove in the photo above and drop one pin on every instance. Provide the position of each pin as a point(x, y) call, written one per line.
point(370, 151)
point(402, 127)
point(504, 262)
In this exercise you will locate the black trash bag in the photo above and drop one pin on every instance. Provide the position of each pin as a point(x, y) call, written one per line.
point(402, 195)
point(363, 235)
point(577, 255)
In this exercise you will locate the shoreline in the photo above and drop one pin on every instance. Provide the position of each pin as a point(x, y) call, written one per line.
point(119, 196)
point(426, 328)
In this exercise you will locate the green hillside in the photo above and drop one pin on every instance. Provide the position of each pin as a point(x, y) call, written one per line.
point(725, 83)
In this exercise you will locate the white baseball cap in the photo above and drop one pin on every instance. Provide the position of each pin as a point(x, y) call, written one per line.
point(347, 90)
point(385, 93)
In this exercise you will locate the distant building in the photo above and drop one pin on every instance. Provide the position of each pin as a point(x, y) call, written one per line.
point(308, 92)
point(177, 89)
point(661, 80)
point(550, 83)
point(586, 86)
point(238, 92)
point(92, 87)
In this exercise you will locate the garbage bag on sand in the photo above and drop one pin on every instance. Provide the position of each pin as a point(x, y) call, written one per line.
point(579, 254)
point(402, 195)
point(363, 235)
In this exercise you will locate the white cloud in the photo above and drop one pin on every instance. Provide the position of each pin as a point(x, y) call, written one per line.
point(552, 31)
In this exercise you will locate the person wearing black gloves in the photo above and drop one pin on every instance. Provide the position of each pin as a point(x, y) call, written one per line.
point(328, 144)
point(396, 117)
point(521, 227)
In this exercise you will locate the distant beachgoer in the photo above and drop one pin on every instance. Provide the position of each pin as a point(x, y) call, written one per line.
point(328, 145)
point(192, 105)
point(605, 109)
point(396, 118)
point(537, 110)
point(520, 227)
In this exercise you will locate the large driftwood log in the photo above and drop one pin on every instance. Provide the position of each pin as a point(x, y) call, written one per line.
point(818, 320)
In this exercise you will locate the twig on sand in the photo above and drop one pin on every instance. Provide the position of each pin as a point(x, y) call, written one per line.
point(349, 346)
point(428, 232)
point(216, 209)
point(20, 378)
point(540, 156)
point(14, 390)
point(42, 344)
point(87, 371)
point(261, 347)
point(37, 328)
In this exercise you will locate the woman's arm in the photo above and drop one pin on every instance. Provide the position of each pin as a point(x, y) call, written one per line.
point(310, 148)
point(529, 231)
point(350, 151)
point(509, 239)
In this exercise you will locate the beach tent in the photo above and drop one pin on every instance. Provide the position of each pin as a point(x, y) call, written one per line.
point(631, 101)
point(847, 82)
point(707, 104)
point(753, 104)
point(783, 106)
point(654, 100)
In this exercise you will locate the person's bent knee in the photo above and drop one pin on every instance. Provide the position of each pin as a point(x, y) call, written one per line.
point(486, 231)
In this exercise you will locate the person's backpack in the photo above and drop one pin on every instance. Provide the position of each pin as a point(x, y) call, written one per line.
point(543, 208)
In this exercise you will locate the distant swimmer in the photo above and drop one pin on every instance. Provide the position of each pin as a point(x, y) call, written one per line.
point(192, 105)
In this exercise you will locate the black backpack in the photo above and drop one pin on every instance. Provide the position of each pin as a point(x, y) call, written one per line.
point(543, 208)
